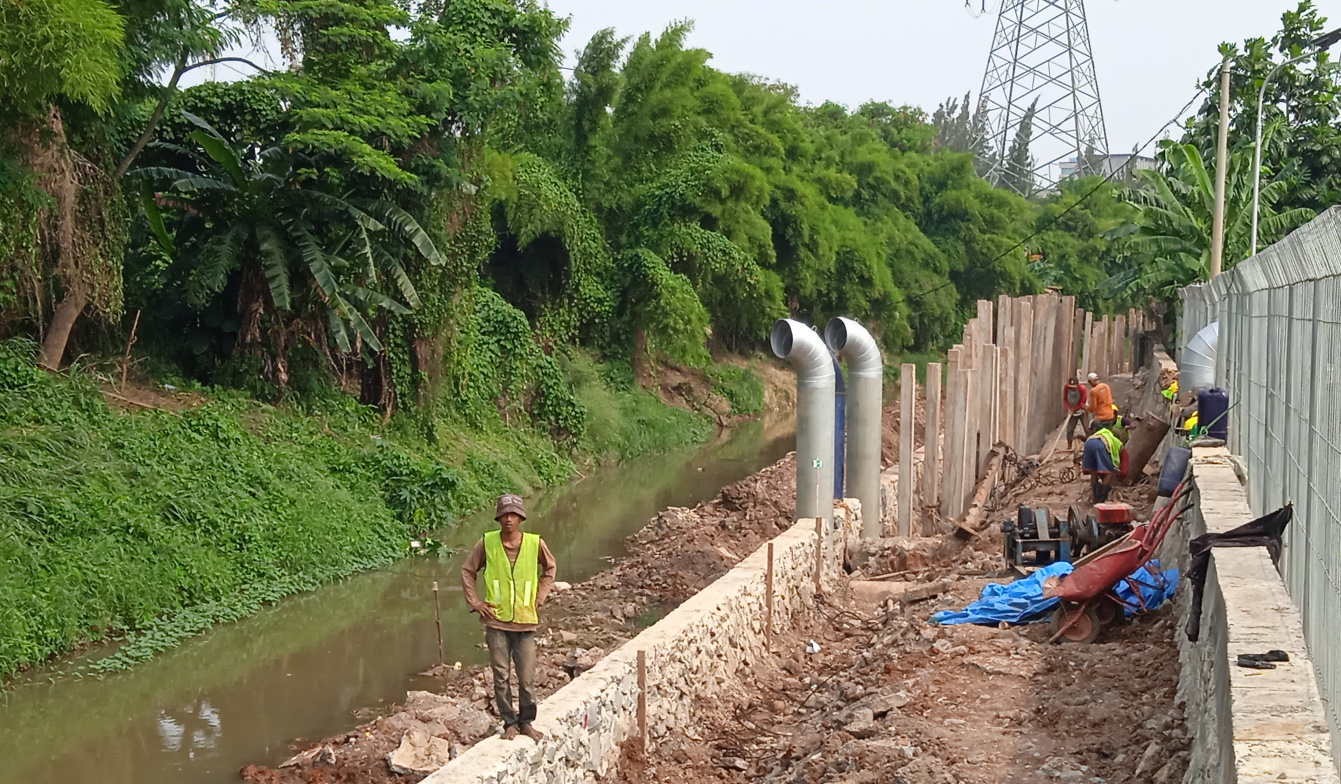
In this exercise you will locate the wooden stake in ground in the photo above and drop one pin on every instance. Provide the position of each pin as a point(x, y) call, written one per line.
point(642, 699)
point(437, 617)
point(125, 361)
point(931, 463)
point(819, 551)
point(768, 601)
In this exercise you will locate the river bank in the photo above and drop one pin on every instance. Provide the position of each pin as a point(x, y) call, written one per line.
point(146, 513)
point(311, 664)
point(887, 696)
point(673, 556)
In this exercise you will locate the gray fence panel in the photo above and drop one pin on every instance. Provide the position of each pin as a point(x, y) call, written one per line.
point(1279, 356)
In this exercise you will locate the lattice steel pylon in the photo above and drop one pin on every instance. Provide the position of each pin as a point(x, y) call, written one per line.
point(1041, 52)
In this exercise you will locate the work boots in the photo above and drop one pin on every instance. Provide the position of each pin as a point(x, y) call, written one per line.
point(1101, 492)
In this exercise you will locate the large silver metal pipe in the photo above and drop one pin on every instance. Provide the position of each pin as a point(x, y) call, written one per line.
point(865, 389)
point(798, 344)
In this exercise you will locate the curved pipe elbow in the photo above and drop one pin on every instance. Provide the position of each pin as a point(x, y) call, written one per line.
point(800, 345)
point(855, 346)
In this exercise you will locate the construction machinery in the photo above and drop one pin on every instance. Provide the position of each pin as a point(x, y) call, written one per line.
point(1037, 537)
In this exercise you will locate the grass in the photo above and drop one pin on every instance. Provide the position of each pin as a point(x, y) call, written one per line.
point(624, 420)
point(740, 386)
point(156, 525)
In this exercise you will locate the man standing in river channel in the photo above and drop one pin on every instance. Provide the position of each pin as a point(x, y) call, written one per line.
point(518, 574)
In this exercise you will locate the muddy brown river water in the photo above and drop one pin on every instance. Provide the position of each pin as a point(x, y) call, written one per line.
point(300, 669)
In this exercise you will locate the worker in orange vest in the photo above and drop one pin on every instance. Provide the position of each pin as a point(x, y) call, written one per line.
point(1101, 405)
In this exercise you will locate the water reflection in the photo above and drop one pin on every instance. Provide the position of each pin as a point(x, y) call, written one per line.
point(201, 719)
point(241, 692)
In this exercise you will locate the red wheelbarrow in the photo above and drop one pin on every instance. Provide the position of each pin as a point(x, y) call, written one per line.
point(1089, 601)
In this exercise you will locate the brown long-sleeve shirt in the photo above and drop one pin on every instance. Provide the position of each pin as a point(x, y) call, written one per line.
point(475, 564)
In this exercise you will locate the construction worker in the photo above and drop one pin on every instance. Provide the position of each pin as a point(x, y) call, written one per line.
point(1101, 406)
point(518, 574)
point(1103, 461)
point(1074, 397)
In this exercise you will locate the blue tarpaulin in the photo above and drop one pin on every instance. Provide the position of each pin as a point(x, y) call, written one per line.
point(1022, 601)
point(1156, 587)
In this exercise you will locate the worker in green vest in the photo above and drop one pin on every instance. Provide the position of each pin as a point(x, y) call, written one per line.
point(1103, 459)
point(518, 573)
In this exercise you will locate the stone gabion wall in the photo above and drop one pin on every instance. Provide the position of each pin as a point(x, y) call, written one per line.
point(690, 653)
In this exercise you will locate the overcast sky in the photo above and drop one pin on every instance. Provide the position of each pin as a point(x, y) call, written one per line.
point(1149, 54)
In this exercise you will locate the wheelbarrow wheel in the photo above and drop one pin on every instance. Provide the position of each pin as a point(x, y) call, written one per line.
point(1107, 611)
point(1075, 623)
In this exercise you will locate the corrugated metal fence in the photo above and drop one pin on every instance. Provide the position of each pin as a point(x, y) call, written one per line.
point(1279, 355)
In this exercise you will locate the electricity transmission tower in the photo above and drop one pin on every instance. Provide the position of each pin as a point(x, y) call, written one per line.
point(1041, 57)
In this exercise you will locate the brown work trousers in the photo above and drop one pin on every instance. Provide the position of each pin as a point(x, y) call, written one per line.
point(505, 649)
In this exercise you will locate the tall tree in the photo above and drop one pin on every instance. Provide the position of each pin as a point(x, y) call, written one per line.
point(52, 52)
point(1017, 172)
point(958, 130)
point(1304, 96)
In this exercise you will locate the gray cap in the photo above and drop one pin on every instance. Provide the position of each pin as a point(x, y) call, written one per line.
point(509, 503)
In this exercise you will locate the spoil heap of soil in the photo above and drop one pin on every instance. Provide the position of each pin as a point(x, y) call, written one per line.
point(890, 428)
point(673, 557)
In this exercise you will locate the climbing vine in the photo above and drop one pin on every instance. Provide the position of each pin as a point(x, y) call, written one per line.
point(21, 205)
point(536, 202)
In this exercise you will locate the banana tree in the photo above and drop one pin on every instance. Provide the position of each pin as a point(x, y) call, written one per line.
point(297, 250)
point(1171, 236)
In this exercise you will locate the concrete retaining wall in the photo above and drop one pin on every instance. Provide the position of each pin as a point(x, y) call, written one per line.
point(1247, 725)
point(690, 653)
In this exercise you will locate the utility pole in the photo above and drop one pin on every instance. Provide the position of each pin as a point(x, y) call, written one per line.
point(1221, 165)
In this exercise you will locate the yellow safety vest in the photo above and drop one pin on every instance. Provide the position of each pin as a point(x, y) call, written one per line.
point(511, 588)
point(1113, 443)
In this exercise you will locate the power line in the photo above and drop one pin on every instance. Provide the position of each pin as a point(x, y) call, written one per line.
point(1105, 181)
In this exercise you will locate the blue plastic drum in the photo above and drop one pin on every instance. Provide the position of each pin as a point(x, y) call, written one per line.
point(1212, 405)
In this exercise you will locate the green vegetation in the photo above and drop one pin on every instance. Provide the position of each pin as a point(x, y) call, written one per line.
point(625, 420)
point(740, 386)
point(420, 264)
point(166, 522)
point(1166, 244)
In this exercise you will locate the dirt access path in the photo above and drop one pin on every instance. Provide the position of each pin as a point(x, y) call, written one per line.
point(892, 699)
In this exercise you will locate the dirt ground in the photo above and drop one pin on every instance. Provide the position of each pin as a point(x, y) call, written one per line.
point(888, 698)
point(892, 699)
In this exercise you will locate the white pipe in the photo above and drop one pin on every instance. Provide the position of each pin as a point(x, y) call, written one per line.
point(798, 344)
point(866, 376)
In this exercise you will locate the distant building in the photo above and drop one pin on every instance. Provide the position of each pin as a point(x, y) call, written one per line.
point(1121, 165)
